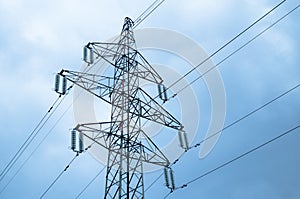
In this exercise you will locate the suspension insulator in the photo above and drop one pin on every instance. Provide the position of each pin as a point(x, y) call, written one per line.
point(91, 56)
point(159, 91)
point(166, 177)
point(85, 52)
point(172, 179)
point(64, 86)
point(165, 97)
point(81, 145)
point(88, 55)
point(162, 92)
point(186, 140)
point(73, 139)
point(180, 139)
point(56, 84)
point(183, 140)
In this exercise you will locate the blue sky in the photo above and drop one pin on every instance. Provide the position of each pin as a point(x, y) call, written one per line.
point(39, 38)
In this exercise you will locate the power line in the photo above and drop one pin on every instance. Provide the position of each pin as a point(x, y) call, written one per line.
point(60, 174)
point(43, 121)
point(227, 56)
point(147, 12)
point(231, 54)
point(60, 118)
point(238, 49)
point(21, 150)
point(154, 181)
point(28, 138)
point(171, 85)
point(237, 158)
point(31, 137)
point(141, 18)
point(277, 21)
point(225, 45)
point(157, 6)
point(247, 115)
point(232, 124)
point(240, 119)
point(226, 59)
point(35, 149)
point(257, 109)
point(92, 180)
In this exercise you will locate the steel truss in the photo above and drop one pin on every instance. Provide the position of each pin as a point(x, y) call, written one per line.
point(129, 104)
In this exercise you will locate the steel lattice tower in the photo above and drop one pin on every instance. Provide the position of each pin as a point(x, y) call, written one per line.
point(124, 169)
point(121, 136)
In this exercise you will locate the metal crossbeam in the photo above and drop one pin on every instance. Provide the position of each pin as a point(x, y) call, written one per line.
point(102, 87)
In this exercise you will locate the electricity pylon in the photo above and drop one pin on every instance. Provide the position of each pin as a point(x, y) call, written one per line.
point(128, 145)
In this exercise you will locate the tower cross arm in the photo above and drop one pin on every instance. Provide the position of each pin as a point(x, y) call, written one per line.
point(107, 51)
point(100, 133)
point(98, 85)
point(144, 105)
point(151, 110)
point(146, 71)
point(110, 52)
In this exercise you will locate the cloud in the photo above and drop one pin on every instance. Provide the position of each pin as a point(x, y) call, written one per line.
point(258, 189)
point(40, 37)
point(281, 42)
